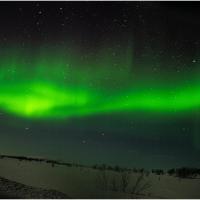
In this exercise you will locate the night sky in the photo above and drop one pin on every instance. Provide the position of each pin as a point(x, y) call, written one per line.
point(101, 82)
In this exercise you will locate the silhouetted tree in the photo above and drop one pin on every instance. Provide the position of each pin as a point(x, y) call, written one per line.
point(171, 172)
point(117, 168)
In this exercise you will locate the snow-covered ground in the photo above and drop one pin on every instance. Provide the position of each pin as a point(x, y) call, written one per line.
point(81, 182)
point(11, 189)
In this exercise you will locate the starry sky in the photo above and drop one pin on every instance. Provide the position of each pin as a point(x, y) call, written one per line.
point(101, 82)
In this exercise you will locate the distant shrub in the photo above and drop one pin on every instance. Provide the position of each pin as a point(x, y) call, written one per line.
point(102, 167)
point(158, 171)
point(110, 168)
point(134, 170)
point(171, 172)
point(95, 166)
point(68, 164)
point(117, 168)
point(141, 170)
point(185, 172)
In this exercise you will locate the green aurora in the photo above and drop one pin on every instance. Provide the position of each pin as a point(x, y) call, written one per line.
point(61, 85)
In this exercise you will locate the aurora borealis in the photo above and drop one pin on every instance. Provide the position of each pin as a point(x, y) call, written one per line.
point(54, 89)
point(97, 82)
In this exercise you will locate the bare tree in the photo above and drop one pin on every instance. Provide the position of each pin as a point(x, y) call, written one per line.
point(140, 185)
point(114, 185)
point(125, 179)
point(102, 180)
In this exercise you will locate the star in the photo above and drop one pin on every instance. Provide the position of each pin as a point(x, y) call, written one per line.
point(183, 129)
point(154, 69)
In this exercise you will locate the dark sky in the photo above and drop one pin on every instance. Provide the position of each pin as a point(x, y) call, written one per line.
point(161, 34)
